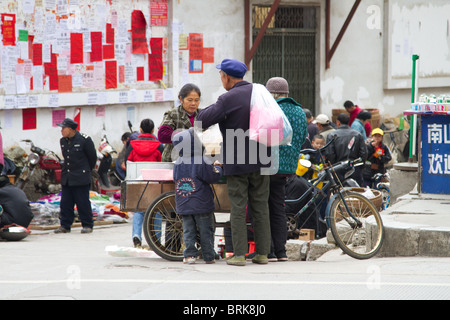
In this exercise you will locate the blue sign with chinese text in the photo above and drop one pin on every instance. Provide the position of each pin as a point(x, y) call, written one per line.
point(435, 154)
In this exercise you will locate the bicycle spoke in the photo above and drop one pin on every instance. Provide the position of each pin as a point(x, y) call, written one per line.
point(164, 228)
point(356, 225)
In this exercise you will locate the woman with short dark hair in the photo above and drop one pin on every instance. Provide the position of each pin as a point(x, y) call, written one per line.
point(179, 119)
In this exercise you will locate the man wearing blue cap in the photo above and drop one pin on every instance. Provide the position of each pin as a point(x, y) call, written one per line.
point(246, 185)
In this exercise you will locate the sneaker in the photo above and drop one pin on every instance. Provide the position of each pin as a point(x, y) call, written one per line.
point(189, 260)
point(62, 230)
point(86, 230)
point(283, 258)
point(237, 261)
point(260, 259)
point(210, 262)
point(272, 257)
point(137, 242)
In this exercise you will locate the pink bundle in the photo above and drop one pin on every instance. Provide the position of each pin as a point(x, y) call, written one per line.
point(268, 123)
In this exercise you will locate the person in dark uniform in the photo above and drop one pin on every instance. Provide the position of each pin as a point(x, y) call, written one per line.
point(80, 157)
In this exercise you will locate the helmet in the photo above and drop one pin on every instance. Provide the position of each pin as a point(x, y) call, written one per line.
point(13, 232)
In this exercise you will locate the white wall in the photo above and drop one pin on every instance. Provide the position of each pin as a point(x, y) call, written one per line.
point(357, 68)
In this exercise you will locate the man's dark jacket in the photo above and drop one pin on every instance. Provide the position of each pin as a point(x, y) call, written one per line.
point(339, 151)
point(232, 113)
point(80, 157)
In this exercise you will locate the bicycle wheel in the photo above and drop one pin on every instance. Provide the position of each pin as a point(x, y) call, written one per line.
point(163, 228)
point(356, 225)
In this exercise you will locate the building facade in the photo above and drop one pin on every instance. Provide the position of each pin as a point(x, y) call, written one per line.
point(110, 62)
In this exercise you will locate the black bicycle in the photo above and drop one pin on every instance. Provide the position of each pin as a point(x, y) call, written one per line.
point(355, 222)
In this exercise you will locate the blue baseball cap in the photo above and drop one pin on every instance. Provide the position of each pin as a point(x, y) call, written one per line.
point(233, 68)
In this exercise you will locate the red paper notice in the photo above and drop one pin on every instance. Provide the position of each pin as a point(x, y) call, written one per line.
point(158, 13)
point(9, 29)
point(138, 33)
point(37, 54)
point(156, 44)
point(65, 83)
point(109, 34)
point(51, 70)
point(108, 51)
point(155, 67)
point(111, 74)
point(208, 55)
point(29, 119)
point(140, 73)
point(96, 46)
point(76, 48)
point(121, 74)
point(195, 53)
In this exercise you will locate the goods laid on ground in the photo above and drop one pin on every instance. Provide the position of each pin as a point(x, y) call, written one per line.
point(105, 210)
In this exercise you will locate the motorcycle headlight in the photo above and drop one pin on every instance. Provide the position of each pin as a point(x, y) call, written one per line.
point(33, 158)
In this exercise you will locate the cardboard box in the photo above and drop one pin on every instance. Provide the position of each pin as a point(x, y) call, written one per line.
point(306, 234)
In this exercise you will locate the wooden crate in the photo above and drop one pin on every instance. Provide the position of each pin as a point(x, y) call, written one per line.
point(137, 196)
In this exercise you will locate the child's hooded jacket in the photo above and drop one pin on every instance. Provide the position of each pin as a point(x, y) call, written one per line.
point(193, 175)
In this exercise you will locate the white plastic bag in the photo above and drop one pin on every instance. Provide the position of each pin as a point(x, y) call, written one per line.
point(268, 123)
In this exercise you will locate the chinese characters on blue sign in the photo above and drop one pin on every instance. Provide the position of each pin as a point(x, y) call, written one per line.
point(435, 154)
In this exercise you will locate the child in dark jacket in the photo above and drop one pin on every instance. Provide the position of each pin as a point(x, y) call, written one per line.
point(378, 156)
point(193, 175)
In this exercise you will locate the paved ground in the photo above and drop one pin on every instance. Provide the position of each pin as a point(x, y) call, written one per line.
point(76, 266)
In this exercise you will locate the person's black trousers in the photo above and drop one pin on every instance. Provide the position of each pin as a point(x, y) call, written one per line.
point(277, 214)
point(78, 196)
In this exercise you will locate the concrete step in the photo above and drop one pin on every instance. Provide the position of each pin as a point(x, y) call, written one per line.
point(417, 225)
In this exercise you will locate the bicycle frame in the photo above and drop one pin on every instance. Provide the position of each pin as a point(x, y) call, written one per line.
point(331, 186)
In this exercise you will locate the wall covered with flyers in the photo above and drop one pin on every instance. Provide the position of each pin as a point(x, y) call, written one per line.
point(83, 52)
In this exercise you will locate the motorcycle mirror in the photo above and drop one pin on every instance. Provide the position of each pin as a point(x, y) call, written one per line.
point(305, 163)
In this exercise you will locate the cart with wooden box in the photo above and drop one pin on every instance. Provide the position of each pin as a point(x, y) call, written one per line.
point(149, 188)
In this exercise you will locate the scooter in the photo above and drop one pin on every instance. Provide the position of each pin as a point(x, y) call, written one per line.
point(48, 164)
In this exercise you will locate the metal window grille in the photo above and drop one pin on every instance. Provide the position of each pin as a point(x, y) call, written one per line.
point(288, 49)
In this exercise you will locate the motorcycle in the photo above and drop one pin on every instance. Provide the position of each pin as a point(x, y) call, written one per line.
point(48, 164)
point(105, 178)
